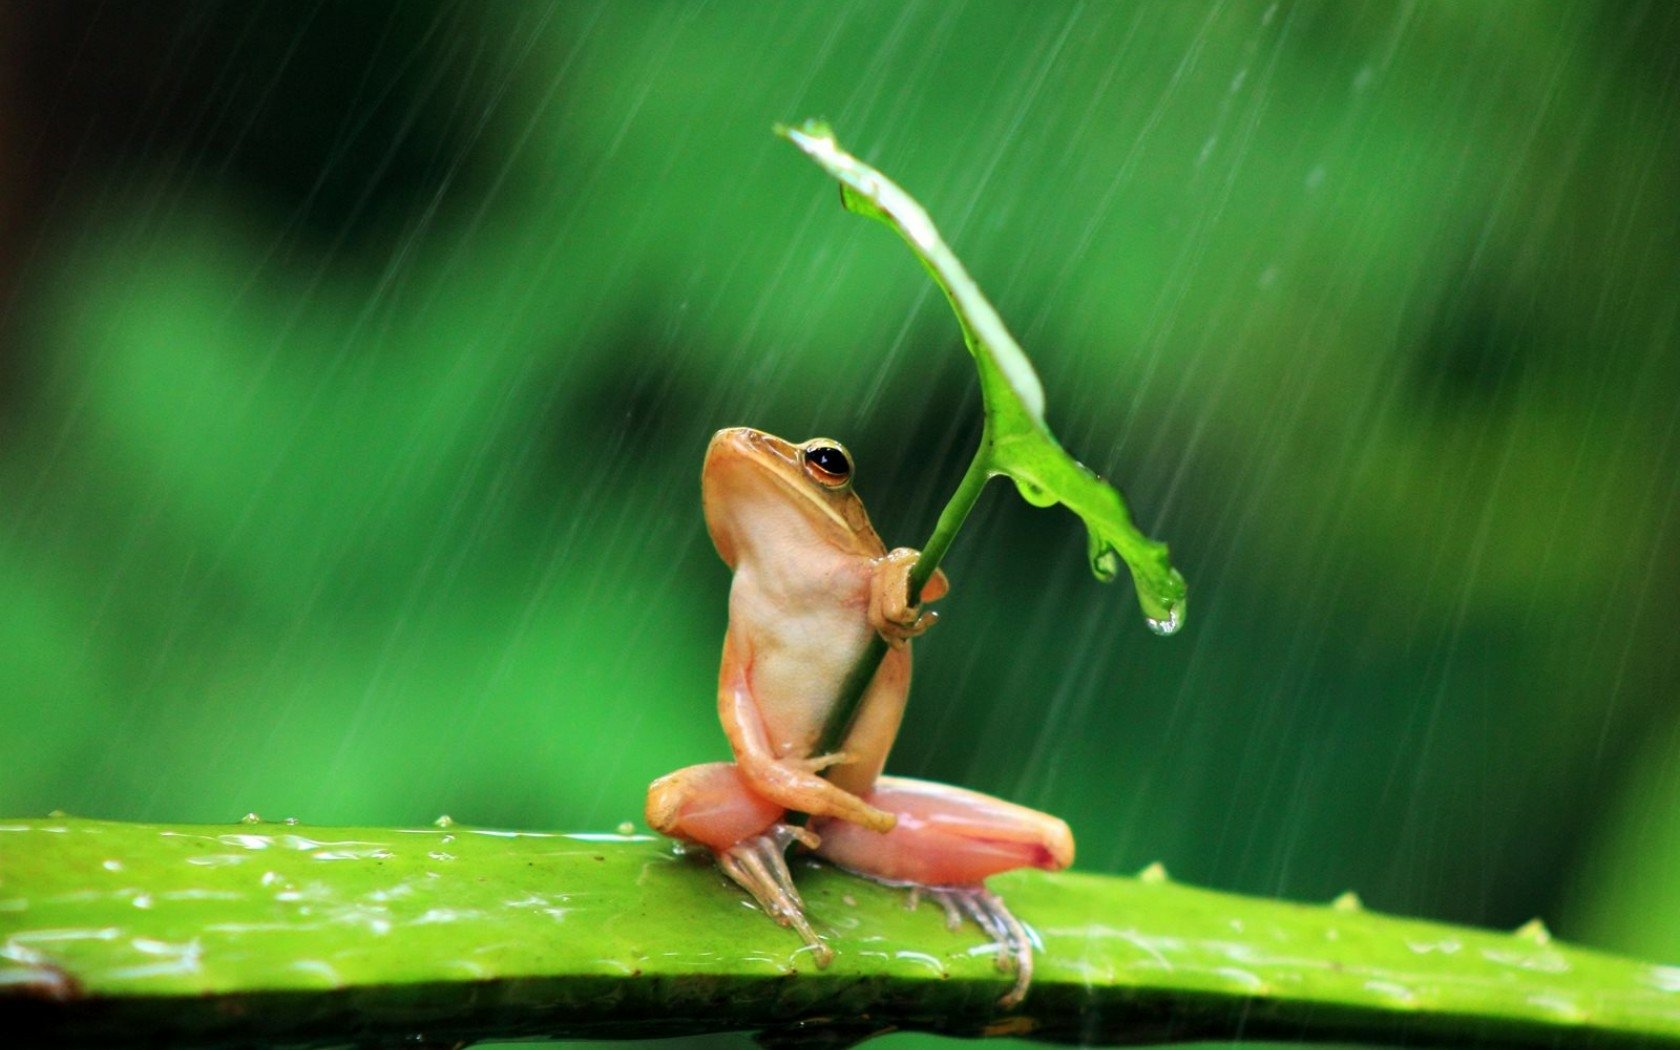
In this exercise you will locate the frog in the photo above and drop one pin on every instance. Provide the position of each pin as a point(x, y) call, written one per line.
point(812, 585)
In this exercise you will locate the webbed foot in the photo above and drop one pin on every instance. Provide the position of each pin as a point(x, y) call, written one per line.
point(987, 911)
point(758, 865)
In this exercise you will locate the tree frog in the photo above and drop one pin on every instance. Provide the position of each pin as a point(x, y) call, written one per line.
point(812, 585)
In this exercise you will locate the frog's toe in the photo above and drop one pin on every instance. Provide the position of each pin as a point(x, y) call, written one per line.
point(915, 621)
point(758, 866)
point(818, 763)
point(987, 911)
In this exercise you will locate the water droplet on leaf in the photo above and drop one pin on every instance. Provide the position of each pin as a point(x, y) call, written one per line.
point(1168, 624)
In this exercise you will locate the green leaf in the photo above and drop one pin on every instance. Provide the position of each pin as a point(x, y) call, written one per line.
point(1018, 442)
point(151, 934)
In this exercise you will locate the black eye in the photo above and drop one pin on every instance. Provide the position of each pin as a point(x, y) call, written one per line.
point(829, 464)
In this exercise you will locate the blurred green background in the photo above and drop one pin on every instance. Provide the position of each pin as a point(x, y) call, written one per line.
point(357, 362)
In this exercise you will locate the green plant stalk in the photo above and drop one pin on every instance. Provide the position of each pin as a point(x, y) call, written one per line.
point(951, 518)
point(956, 510)
point(148, 934)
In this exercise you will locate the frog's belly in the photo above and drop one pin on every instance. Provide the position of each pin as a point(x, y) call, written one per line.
point(796, 678)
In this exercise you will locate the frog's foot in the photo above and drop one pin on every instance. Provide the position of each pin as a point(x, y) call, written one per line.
point(947, 841)
point(713, 805)
point(758, 865)
point(890, 611)
point(987, 911)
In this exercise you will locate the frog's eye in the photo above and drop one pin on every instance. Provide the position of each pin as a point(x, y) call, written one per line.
point(827, 464)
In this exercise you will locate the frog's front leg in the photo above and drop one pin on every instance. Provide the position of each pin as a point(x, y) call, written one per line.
point(949, 840)
point(712, 805)
point(791, 782)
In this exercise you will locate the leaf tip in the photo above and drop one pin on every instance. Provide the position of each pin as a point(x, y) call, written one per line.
point(1164, 597)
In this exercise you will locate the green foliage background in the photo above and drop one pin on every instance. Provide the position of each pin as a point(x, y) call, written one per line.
point(357, 364)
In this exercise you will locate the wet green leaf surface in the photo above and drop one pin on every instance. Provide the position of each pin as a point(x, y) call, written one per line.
point(136, 934)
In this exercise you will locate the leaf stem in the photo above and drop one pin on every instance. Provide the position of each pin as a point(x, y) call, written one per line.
point(845, 710)
point(952, 517)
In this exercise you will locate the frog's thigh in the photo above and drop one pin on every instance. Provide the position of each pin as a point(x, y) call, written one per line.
point(946, 836)
point(709, 804)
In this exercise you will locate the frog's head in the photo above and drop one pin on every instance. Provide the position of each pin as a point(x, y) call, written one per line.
point(781, 499)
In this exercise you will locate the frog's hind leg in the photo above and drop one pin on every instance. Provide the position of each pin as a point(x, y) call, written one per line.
point(948, 840)
point(709, 804)
point(946, 836)
point(712, 805)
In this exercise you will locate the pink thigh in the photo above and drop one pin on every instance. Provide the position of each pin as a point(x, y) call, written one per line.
point(946, 836)
point(709, 804)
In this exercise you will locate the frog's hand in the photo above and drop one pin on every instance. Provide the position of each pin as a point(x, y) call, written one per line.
point(790, 783)
point(890, 611)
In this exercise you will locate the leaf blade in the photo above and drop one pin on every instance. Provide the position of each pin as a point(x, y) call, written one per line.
point(1019, 443)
